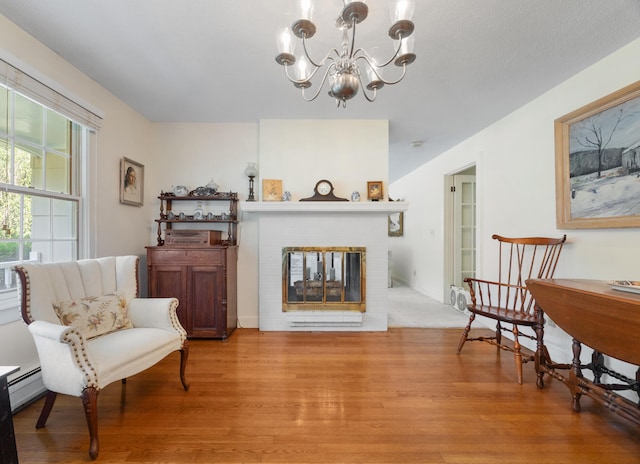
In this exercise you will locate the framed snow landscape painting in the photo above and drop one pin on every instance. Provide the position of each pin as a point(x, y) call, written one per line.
point(598, 163)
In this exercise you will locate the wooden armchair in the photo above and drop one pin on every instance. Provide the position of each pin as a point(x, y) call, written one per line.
point(508, 301)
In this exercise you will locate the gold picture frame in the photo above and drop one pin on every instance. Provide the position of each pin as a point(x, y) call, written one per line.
point(374, 190)
point(271, 190)
point(131, 182)
point(597, 150)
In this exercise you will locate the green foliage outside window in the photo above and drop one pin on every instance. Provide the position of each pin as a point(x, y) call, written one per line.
point(15, 217)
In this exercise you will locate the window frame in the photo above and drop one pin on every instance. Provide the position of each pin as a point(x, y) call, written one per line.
point(83, 132)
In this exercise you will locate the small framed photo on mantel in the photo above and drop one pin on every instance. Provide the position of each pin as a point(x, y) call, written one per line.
point(271, 189)
point(374, 190)
point(131, 182)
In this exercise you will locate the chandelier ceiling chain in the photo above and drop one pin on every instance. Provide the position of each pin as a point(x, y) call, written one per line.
point(346, 67)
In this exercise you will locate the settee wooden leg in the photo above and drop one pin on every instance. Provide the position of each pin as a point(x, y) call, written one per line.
point(46, 409)
point(90, 402)
point(184, 354)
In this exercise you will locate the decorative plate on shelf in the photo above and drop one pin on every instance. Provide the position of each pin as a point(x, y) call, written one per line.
point(632, 286)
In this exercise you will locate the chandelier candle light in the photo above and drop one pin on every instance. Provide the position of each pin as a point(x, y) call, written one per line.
point(345, 68)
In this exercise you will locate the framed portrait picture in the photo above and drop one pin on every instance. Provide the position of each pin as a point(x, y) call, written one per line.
point(598, 163)
point(271, 189)
point(131, 182)
point(396, 224)
point(374, 190)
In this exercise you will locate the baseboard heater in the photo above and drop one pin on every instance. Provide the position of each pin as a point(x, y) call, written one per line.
point(25, 389)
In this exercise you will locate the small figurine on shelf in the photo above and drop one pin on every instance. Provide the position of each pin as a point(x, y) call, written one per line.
point(180, 191)
point(197, 213)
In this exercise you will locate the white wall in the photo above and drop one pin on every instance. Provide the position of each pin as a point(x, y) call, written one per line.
point(119, 228)
point(516, 193)
point(346, 152)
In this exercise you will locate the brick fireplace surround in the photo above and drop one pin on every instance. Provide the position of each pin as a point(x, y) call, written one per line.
point(322, 224)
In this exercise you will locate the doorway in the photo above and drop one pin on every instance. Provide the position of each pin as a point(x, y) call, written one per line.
point(460, 235)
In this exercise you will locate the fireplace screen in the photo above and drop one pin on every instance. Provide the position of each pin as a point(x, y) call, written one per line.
point(323, 278)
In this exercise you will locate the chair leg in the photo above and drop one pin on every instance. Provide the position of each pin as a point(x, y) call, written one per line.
point(184, 354)
point(46, 409)
point(499, 335)
point(542, 355)
point(517, 354)
point(465, 333)
point(90, 402)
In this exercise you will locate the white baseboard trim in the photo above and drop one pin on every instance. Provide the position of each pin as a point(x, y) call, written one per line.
point(248, 322)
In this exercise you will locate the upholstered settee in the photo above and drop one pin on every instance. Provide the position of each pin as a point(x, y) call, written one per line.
point(91, 329)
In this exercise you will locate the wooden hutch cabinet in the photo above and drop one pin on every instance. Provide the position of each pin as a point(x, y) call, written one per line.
point(203, 276)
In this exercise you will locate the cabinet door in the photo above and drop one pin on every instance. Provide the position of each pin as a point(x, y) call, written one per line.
point(207, 315)
point(170, 282)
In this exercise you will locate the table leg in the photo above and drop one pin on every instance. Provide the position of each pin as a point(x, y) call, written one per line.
point(541, 360)
point(597, 362)
point(575, 375)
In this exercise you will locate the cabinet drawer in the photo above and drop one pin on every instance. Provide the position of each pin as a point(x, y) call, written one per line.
point(194, 238)
point(190, 256)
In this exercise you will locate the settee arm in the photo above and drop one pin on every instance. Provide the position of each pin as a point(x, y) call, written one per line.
point(64, 360)
point(47, 330)
point(158, 313)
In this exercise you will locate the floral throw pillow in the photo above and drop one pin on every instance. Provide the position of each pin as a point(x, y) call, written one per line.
point(94, 315)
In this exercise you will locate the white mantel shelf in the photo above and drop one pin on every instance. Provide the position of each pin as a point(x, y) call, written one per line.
point(378, 207)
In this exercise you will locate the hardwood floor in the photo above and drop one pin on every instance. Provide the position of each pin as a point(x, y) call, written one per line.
point(402, 396)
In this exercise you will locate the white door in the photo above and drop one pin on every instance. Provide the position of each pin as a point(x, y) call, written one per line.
point(464, 228)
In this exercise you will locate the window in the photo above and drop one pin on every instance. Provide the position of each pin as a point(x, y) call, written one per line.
point(42, 153)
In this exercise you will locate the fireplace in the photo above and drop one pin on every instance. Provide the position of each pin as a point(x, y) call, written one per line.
point(318, 227)
point(315, 278)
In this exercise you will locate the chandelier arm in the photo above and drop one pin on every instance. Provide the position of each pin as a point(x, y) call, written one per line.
point(373, 62)
point(323, 61)
point(313, 73)
point(386, 82)
point(324, 78)
point(364, 91)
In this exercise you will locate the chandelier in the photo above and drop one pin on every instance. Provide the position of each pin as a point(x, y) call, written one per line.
point(347, 68)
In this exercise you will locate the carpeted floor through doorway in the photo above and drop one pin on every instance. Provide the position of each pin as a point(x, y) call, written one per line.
point(410, 308)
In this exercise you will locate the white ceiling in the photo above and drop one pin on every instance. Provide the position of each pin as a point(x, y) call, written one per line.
point(213, 60)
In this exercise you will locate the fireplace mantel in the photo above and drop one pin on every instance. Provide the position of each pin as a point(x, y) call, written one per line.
point(380, 207)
